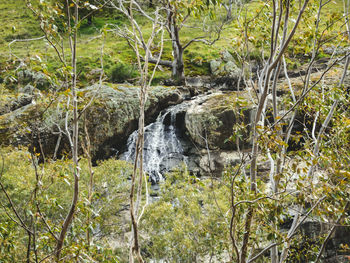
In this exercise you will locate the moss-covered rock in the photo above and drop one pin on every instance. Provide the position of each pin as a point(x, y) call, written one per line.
point(111, 117)
point(17, 126)
point(114, 114)
point(10, 103)
point(210, 122)
point(38, 79)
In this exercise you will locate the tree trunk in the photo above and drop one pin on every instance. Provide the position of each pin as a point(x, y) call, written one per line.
point(178, 65)
point(74, 139)
point(229, 10)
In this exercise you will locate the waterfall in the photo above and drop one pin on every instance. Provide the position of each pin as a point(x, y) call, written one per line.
point(162, 148)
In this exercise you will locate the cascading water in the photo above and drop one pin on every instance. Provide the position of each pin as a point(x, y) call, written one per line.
point(162, 148)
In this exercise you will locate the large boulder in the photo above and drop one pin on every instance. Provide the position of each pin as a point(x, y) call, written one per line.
point(215, 67)
point(232, 69)
point(38, 79)
point(16, 125)
point(226, 56)
point(225, 66)
point(110, 119)
point(210, 120)
point(114, 114)
point(12, 103)
point(211, 163)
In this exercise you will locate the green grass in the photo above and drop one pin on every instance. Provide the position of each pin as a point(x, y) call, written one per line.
point(116, 49)
point(17, 22)
point(197, 57)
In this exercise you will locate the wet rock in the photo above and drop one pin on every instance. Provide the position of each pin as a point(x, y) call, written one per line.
point(171, 162)
point(114, 114)
point(162, 151)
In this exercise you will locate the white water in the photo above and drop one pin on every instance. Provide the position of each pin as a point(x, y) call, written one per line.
point(162, 147)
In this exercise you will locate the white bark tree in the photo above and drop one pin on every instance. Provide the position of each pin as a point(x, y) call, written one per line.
point(174, 17)
point(140, 42)
point(281, 36)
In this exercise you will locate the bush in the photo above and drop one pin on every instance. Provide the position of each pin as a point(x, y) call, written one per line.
point(110, 197)
point(121, 72)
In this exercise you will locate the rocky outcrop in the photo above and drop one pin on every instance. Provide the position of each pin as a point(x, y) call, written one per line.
point(16, 125)
point(210, 120)
point(211, 163)
point(225, 66)
point(114, 114)
point(12, 103)
point(204, 125)
point(200, 85)
point(110, 119)
point(37, 79)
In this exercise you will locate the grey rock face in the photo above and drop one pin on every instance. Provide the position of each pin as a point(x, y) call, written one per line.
point(114, 114)
point(38, 79)
point(225, 66)
point(215, 67)
point(14, 103)
point(226, 56)
point(232, 70)
point(210, 122)
point(206, 115)
point(28, 89)
point(211, 163)
point(110, 119)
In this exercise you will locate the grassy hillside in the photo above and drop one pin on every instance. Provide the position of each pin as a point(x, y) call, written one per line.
point(18, 22)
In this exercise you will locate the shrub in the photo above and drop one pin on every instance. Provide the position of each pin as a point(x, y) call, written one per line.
point(121, 72)
point(110, 197)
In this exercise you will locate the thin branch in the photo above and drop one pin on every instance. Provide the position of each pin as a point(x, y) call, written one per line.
point(263, 252)
point(339, 220)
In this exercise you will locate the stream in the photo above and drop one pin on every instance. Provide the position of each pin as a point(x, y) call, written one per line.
point(163, 149)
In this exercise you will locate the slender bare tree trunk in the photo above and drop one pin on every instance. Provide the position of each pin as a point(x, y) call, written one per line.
point(74, 140)
point(272, 64)
point(145, 82)
point(87, 151)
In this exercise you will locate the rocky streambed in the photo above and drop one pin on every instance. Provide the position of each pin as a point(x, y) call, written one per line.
point(193, 125)
point(203, 120)
point(209, 112)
